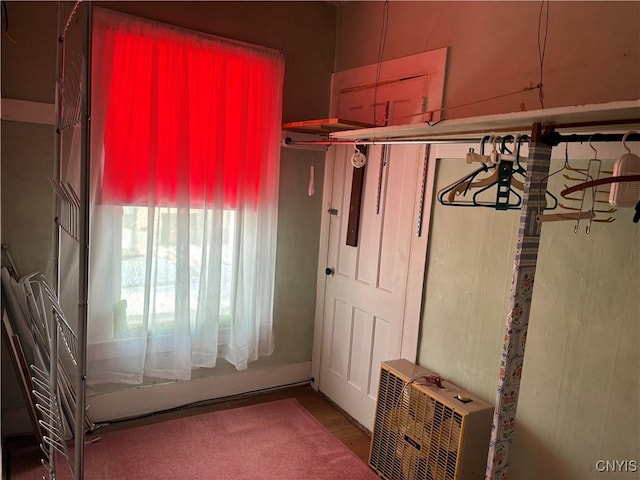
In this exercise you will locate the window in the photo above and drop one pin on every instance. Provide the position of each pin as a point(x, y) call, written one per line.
point(133, 272)
point(185, 164)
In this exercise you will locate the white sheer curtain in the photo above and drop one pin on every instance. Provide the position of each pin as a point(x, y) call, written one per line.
point(185, 164)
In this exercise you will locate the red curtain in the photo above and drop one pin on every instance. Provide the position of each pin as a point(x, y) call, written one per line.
point(188, 119)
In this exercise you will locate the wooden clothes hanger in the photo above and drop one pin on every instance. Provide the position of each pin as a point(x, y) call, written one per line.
point(600, 181)
point(586, 182)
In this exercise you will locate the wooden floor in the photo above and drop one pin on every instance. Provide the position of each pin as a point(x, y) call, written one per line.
point(356, 438)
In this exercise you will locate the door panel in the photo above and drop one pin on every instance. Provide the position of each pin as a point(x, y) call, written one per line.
point(358, 105)
point(362, 330)
point(380, 347)
point(412, 85)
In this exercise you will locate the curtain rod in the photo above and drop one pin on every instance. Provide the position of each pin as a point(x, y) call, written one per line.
point(553, 139)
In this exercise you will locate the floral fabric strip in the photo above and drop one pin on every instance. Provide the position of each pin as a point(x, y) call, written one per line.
point(502, 429)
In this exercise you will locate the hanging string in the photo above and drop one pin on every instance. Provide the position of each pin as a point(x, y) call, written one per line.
point(5, 19)
point(383, 40)
point(542, 45)
point(430, 112)
point(5, 16)
point(312, 175)
point(284, 29)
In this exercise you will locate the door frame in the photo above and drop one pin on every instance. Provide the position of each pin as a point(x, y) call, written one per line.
point(417, 263)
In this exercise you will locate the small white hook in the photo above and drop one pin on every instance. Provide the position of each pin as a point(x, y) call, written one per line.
point(624, 140)
point(358, 159)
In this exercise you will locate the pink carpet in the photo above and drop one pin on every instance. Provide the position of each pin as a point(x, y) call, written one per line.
point(271, 441)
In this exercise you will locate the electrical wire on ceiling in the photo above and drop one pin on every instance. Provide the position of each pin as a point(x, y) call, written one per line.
point(5, 16)
point(474, 102)
point(542, 44)
point(286, 22)
point(5, 21)
point(381, 43)
point(543, 28)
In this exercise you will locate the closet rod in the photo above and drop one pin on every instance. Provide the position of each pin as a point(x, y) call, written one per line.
point(288, 141)
point(552, 139)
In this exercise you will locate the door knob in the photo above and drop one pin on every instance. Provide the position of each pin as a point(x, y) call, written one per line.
point(328, 271)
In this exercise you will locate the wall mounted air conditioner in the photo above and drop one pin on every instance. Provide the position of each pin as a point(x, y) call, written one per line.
point(423, 431)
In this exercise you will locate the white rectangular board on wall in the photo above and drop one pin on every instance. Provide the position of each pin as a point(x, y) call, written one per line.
point(412, 85)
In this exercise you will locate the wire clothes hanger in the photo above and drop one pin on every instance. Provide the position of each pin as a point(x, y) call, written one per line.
point(594, 192)
point(540, 217)
point(577, 213)
point(592, 161)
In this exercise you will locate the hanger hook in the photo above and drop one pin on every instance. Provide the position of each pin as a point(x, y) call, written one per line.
point(485, 139)
point(521, 139)
point(624, 140)
point(517, 141)
point(503, 145)
point(592, 147)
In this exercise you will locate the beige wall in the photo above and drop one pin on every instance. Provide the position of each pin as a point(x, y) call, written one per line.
point(580, 388)
point(296, 28)
point(305, 31)
point(26, 219)
point(592, 53)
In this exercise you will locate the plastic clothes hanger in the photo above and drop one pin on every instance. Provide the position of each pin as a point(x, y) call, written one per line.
point(500, 177)
point(447, 196)
point(490, 162)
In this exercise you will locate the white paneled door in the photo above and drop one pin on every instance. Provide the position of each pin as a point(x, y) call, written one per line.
point(368, 307)
point(371, 289)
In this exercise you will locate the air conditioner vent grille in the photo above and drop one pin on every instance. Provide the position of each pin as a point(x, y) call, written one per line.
point(416, 434)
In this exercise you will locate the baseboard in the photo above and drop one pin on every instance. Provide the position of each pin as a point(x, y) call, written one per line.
point(142, 400)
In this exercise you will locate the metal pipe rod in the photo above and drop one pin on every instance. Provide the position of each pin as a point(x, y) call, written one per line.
point(594, 137)
point(554, 138)
point(83, 234)
point(288, 141)
point(57, 150)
